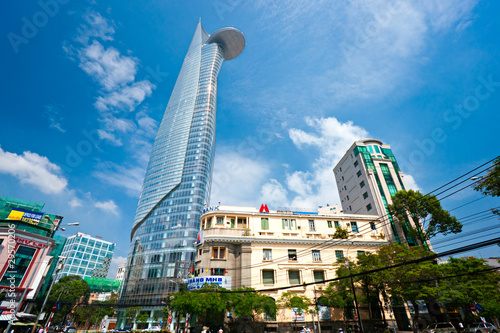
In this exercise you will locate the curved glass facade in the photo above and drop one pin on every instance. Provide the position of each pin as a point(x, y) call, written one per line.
point(178, 178)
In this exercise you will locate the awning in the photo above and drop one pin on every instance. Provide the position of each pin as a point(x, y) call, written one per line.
point(25, 315)
point(6, 318)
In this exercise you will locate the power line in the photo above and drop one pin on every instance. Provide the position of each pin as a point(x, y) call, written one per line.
point(465, 174)
point(383, 223)
point(466, 248)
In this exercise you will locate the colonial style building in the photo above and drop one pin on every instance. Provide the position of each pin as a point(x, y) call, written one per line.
point(267, 250)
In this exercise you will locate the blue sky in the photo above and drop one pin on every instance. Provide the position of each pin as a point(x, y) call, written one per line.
point(84, 85)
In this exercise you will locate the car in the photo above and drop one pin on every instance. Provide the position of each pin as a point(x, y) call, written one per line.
point(444, 327)
point(71, 329)
point(124, 329)
point(480, 328)
point(152, 329)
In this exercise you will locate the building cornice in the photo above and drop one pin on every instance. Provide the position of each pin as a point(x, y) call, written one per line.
point(294, 241)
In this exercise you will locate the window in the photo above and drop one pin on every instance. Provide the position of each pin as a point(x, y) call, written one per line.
point(345, 187)
point(292, 255)
point(329, 223)
point(268, 276)
point(358, 173)
point(373, 226)
point(264, 223)
point(376, 149)
point(209, 223)
point(361, 253)
point(242, 221)
point(19, 265)
point(354, 227)
point(218, 253)
point(337, 224)
point(342, 178)
point(220, 220)
point(312, 227)
point(369, 207)
point(294, 277)
point(356, 163)
point(339, 254)
point(316, 255)
point(200, 252)
point(365, 195)
point(319, 276)
point(362, 184)
point(340, 169)
point(267, 254)
point(350, 208)
point(347, 197)
point(289, 224)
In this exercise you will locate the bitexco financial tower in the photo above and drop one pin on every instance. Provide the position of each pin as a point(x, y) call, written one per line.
point(179, 174)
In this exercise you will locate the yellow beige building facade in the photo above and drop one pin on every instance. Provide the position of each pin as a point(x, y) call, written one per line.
point(268, 250)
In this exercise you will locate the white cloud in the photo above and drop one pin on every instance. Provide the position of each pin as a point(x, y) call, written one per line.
point(115, 73)
point(107, 66)
point(97, 26)
point(113, 266)
point(237, 178)
point(110, 137)
point(125, 98)
point(53, 115)
point(75, 202)
point(309, 189)
point(274, 194)
point(107, 206)
point(130, 179)
point(411, 183)
point(31, 168)
point(147, 125)
point(366, 49)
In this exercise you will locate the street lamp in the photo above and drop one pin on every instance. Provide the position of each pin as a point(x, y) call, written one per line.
point(58, 268)
point(46, 246)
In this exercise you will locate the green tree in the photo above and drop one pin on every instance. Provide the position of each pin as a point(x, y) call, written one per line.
point(70, 291)
point(413, 206)
point(490, 184)
point(251, 303)
point(341, 233)
point(207, 304)
point(400, 282)
point(339, 294)
point(131, 313)
point(470, 281)
point(295, 302)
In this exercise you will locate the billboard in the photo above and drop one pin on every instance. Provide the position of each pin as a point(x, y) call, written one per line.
point(198, 282)
point(39, 219)
point(324, 313)
point(297, 314)
point(25, 216)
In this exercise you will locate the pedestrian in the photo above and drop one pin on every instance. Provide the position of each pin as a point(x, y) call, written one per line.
point(221, 330)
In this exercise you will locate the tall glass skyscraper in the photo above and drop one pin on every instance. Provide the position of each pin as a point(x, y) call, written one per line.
point(179, 174)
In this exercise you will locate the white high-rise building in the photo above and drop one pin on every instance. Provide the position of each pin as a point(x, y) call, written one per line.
point(87, 256)
point(121, 272)
point(367, 176)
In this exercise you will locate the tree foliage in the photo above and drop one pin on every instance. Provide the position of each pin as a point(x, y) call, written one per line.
point(210, 305)
point(251, 303)
point(70, 291)
point(490, 184)
point(416, 207)
point(341, 233)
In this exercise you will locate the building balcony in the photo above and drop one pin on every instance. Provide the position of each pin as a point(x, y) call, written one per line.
point(234, 232)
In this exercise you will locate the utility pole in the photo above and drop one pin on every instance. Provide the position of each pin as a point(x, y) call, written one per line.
point(360, 322)
point(317, 311)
